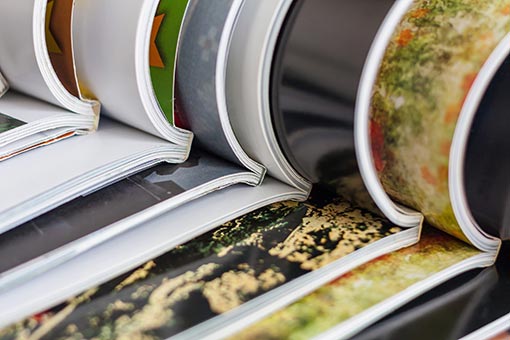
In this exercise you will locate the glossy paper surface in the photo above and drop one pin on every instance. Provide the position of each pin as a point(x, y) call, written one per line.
point(215, 272)
point(487, 164)
point(429, 67)
point(163, 50)
point(89, 214)
point(453, 310)
point(8, 123)
point(315, 78)
point(197, 76)
point(59, 42)
point(361, 289)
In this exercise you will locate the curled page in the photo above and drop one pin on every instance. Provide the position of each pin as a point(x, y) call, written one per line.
point(125, 57)
point(426, 75)
point(36, 58)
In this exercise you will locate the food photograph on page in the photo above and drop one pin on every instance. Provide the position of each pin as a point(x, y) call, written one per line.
point(245, 169)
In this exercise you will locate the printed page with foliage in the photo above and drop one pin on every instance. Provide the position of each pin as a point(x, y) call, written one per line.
point(440, 59)
point(297, 270)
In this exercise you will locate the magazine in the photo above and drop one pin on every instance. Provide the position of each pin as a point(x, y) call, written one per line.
point(218, 161)
point(48, 99)
point(494, 331)
point(409, 113)
point(136, 246)
point(453, 310)
point(36, 61)
point(400, 159)
point(415, 111)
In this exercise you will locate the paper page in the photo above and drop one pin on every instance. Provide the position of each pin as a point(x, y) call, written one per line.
point(59, 42)
point(61, 163)
point(426, 74)
point(112, 44)
point(221, 269)
point(3, 85)
point(497, 330)
point(248, 84)
point(487, 162)
point(29, 123)
point(163, 51)
point(8, 123)
point(89, 214)
point(314, 83)
point(18, 60)
point(36, 54)
point(28, 109)
point(453, 310)
point(442, 313)
point(136, 247)
point(363, 288)
point(201, 69)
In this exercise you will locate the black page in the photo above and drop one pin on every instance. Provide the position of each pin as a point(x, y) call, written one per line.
point(487, 165)
point(315, 77)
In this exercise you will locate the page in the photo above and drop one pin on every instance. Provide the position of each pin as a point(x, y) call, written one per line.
point(165, 36)
point(8, 123)
point(346, 298)
point(113, 43)
point(28, 109)
point(58, 36)
point(3, 85)
point(426, 74)
point(228, 266)
point(497, 330)
point(442, 313)
point(453, 310)
point(70, 169)
point(248, 82)
point(86, 221)
point(487, 163)
point(314, 83)
point(36, 52)
point(201, 70)
point(136, 247)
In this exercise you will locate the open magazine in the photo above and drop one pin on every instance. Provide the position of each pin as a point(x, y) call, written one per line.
point(217, 161)
point(43, 109)
point(37, 64)
point(427, 73)
point(209, 84)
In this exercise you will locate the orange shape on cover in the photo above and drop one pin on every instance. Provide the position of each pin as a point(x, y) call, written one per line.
point(154, 55)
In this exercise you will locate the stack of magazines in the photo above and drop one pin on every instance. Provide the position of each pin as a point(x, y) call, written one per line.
point(254, 169)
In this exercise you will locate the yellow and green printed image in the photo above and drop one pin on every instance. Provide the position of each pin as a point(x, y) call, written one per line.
point(163, 52)
point(8, 123)
point(361, 289)
point(429, 67)
point(214, 273)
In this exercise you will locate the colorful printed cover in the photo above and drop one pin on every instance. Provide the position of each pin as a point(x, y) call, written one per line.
point(426, 74)
point(163, 51)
